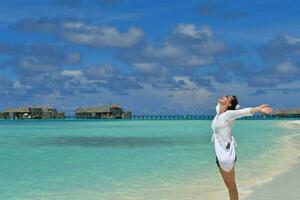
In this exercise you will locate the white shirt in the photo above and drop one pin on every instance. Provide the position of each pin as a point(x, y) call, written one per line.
point(223, 123)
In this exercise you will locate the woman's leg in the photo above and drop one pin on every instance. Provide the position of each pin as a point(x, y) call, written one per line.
point(229, 180)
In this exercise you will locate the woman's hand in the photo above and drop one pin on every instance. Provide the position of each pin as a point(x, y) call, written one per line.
point(265, 108)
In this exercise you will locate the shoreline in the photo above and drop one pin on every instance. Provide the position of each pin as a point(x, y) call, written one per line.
point(284, 185)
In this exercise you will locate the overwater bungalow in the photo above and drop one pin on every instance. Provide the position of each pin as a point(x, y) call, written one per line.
point(113, 111)
point(31, 113)
point(295, 112)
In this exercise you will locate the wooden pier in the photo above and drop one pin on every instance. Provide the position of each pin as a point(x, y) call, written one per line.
point(172, 117)
point(207, 117)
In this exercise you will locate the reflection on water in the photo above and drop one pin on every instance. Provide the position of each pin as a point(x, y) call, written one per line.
point(100, 141)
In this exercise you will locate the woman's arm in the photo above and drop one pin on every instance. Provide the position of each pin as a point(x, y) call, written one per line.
point(264, 108)
point(234, 114)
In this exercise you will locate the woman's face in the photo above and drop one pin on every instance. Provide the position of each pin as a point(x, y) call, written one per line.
point(225, 100)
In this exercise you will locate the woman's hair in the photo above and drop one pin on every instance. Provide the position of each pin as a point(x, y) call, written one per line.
point(233, 102)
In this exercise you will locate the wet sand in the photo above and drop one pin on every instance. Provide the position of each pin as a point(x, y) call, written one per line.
point(283, 186)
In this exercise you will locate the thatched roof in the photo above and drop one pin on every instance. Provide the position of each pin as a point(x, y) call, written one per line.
point(47, 109)
point(20, 109)
point(287, 111)
point(98, 109)
point(28, 109)
point(114, 105)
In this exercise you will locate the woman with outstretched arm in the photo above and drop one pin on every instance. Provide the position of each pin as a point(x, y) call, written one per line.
point(227, 111)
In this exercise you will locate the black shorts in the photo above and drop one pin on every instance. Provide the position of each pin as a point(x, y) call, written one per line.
point(218, 164)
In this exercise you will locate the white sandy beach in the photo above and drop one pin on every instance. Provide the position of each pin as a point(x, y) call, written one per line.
point(283, 186)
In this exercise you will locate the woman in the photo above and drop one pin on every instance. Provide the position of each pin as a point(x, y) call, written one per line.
point(227, 112)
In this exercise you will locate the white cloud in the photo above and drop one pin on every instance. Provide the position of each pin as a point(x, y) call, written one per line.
point(292, 40)
point(105, 71)
point(281, 47)
point(30, 64)
point(167, 51)
point(83, 33)
point(151, 69)
point(190, 94)
point(17, 85)
point(187, 46)
point(193, 31)
point(77, 77)
point(188, 83)
point(73, 58)
point(144, 67)
point(100, 36)
point(187, 99)
point(72, 73)
point(287, 68)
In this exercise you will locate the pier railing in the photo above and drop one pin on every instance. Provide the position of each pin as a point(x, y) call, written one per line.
point(178, 117)
point(207, 117)
point(169, 117)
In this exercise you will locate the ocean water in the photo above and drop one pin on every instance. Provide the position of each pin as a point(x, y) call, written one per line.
point(134, 159)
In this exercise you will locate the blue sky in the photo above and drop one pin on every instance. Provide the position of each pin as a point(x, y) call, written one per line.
point(151, 57)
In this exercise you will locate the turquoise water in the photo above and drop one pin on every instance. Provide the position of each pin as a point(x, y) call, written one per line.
point(151, 159)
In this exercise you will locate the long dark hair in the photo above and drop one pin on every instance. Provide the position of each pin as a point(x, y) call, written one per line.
point(233, 103)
